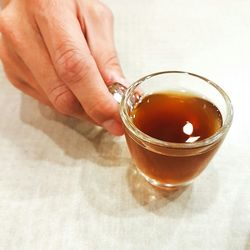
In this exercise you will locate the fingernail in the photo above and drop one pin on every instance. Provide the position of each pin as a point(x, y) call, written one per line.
point(113, 127)
point(115, 77)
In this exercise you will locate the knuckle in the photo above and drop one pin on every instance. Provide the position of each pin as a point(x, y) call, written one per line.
point(43, 9)
point(70, 64)
point(101, 110)
point(101, 11)
point(8, 28)
point(63, 99)
point(111, 60)
point(66, 103)
point(5, 22)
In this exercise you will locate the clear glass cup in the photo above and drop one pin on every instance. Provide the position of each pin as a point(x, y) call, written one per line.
point(167, 164)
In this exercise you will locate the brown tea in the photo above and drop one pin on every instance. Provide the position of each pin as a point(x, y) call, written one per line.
point(175, 117)
point(179, 118)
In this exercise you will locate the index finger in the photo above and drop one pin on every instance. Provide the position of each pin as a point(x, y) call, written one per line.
point(76, 67)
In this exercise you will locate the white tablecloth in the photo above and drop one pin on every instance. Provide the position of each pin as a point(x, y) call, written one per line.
point(68, 185)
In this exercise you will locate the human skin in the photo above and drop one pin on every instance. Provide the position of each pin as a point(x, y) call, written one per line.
point(62, 53)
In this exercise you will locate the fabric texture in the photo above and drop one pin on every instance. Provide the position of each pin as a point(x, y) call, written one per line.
point(66, 184)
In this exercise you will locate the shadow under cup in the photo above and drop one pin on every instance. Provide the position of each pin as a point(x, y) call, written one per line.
point(167, 164)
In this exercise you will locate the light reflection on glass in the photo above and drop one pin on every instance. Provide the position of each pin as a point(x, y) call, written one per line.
point(193, 138)
point(188, 130)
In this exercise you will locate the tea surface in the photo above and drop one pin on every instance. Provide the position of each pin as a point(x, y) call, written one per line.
point(176, 117)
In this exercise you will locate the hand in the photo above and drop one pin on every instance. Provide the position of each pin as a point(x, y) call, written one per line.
point(62, 53)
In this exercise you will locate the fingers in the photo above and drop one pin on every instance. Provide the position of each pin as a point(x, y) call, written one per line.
point(99, 22)
point(15, 66)
point(63, 67)
point(76, 67)
point(25, 88)
point(18, 74)
point(35, 55)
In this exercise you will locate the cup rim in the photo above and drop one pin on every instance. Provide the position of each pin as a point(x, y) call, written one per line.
point(151, 140)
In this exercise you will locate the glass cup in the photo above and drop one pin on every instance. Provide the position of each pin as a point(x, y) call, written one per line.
point(167, 164)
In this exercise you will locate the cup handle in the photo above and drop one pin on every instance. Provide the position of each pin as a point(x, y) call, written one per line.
point(117, 90)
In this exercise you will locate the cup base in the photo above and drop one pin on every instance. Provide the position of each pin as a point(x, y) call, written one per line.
point(165, 186)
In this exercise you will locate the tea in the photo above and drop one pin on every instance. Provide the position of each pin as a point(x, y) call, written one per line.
point(178, 118)
point(175, 117)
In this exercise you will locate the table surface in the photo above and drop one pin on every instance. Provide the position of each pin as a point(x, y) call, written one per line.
point(65, 184)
